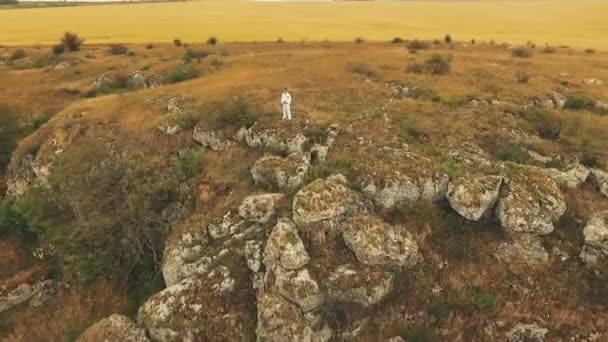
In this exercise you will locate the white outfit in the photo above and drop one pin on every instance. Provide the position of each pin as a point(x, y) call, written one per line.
point(286, 105)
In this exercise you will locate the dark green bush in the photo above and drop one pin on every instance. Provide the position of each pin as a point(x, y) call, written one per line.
point(513, 153)
point(58, 49)
point(417, 45)
point(358, 40)
point(447, 38)
point(438, 64)
point(481, 299)
point(71, 41)
point(177, 42)
point(212, 41)
point(521, 52)
point(9, 132)
point(236, 113)
point(579, 103)
point(546, 124)
point(420, 333)
point(182, 73)
point(397, 40)
point(16, 55)
point(190, 163)
point(118, 49)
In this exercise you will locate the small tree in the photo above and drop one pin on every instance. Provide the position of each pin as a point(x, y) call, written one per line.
point(447, 38)
point(71, 41)
point(212, 41)
point(58, 49)
point(358, 40)
point(397, 40)
point(177, 42)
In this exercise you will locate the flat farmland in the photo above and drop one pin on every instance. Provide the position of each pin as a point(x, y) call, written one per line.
point(579, 23)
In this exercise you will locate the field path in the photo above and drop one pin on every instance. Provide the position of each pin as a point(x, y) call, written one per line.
point(581, 23)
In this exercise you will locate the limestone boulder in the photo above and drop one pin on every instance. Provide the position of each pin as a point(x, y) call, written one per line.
point(596, 239)
point(113, 328)
point(359, 284)
point(274, 172)
point(297, 286)
point(211, 139)
point(599, 178)
point(260, 208)
point(522, 332)
point(284, 247)
point(474, 197)
point(572, 177)
point(522, 252)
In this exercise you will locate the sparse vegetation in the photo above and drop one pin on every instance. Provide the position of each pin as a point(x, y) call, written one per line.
point(182, 73)
point(212, 41)
point(235, 114)
point(547, 125)
point(190, 55)
point(17, 55)
point(118, 49)
point(190, 163)
point(397, 40)
point(521, 52)
point(522, 76)
point(365, 70)
point(58, 49)
point(436, 65)
point(9, 132)
point(358, 40)
point(548, 49)
point(513, 153)
point(577, 102)
point(71, 41)
point(177, 42)
point(416, 45)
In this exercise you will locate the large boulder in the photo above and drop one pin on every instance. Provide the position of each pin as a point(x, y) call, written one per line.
point(260, 208)
point(377, 243)
point(359, 284)
point(113, 328)
point(572, 177)
point(211, 139)
point(194, 310)
point(474, 197)
point(531, 202)
point(272, 139)
point(600, 179)
point(298, 287)
point(279, 319)
point(396, 177)
point(522, 332)
point(279, 173)
point(596, 239)
point(324, 199)
point(284, 247)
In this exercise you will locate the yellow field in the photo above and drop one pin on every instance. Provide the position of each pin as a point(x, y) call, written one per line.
point(581, 23)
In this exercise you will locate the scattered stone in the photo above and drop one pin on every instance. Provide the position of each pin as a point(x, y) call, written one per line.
point(46, 290)
point(260, 208)
point(318, 153)
point(376, 243)
point(600, 179)
point(538, 157)
point(572, 177)
point(25, 292)
point(359, 284)
point(271, 139)
point(596, 239)
point(593, 81)
point(285, 248)
point(527, 333)
point(62, 66)
point(115, 327)
point(210, 139)
point(470, 154)
point(280, 173)
point(474, 197)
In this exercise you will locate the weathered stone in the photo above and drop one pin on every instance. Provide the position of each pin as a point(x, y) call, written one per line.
point(284, 247)
point(522, 251)
point(280, 173)
point(183, 256)
point(376, 243)
point(596, 239)
point(318, 153)
point(359, 284)
point(600, 179)
point(324, 199)
point(229, 225)
point(193, 310)
point(278, 318)
point(114, 328)
point(297, 286)
point(210, 139)
point(572, 177)
point(45, 291)
point(527, 333)
point(474, 197)
point(260, 208)
point(271, 139)
point(253, 254)
point(24, 292)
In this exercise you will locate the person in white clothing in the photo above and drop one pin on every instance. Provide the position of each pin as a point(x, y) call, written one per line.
point(286, 104)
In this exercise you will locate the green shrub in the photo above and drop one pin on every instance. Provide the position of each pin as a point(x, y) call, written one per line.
point(416, 68)
point(236, 113)
point(58, 49)
point(521, 52)
point(182, 73)
point(420, 333)
point(39, 121)
point(424, 93)
point(9, 132)
point(547, 125)
point(190, 54)
point(212, 41)
point(482, 299)
point(71, 41)
point(16, 55)
point(513, 153)
point(447, 38)
point(417, 45)
point(190, 163)
point(438, 64)
point(177, 42)
point(397, 40)
point(118, 49)
point(577, 102)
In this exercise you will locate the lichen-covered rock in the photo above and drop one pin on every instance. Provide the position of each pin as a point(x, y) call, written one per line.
point(596, 239)
point(297, 286)
point(230, 224)
point(531, 201)
point(474, 197)
point(572, 177)
point(359, 284)
point(253, 254)
point(522, 251)
point(114, 328)
point(278, 319)
point(23, 293)
point(285, 248)
point(527, 333)
point(600, 179)
point(272, 139)
point(396, 177)
point(27, 173)
point(280, 173)
point(210, 139)
point(260, 208)
point(318, 153)
point(470, 154)
point(183, 256)
point(377, 243)
point(193, 310)
point(324, 199)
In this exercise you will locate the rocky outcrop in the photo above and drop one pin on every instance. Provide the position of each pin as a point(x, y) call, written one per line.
point(28, 173)
point(271, 139)
point(211, 139)
point(285, 248)
point(113, 328)
point(521, 252)
point(599, 179)
point(38, 294)
point(194, 310)
point(260, 208)
point(474, 197)
point(527, 333)
point(278, 318)
point(530, 203)
point(376, 243)
point(572, 177)
point(595, 249)
point(322, 200)
point(396, 177)
point(280, 173)
point(359, 284)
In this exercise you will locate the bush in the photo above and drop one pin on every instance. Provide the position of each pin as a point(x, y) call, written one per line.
point(364, 69)
point(522, 76)
point(482, 299)
point(521, 52)
point(358, 40)
point(438, 64)
point(212, 41)
point(118, 49)
point(182, 73)
point(177, 42)
point(58, 49)
point(280, 40)
point(397, 40)
point(447, 38)
point(547, 126)
point(589, 51)
point(577, 102)
point(150, 46)
point(417, 45)
point(513, 153)
point(190, 54)
point(16, 55)
point(548, 49)
point(190, 163)
point(424, 93)
point(473, 41)
point(416, 68)
point(9, 132)
point(71, 41)
point(236, 113)
point(420, 333)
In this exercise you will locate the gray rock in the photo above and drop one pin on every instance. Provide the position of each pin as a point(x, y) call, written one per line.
point(527, 333)
point(284, 247)
point(210, 139)
point(113, 328)
point(230, 224)
point(572, 177)
point(280, 173)
point(298, 287)
point(359, 284)
point(596, 239)
point(318, 153)
point(522, 251)
point(474, 197)
point(600, 179)
point(253, 254)
point(593, 81)
point(260, 208)
point(25, 292)
point(376, 243)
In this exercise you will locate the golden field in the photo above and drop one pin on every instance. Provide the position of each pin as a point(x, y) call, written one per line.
point(580, 23)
